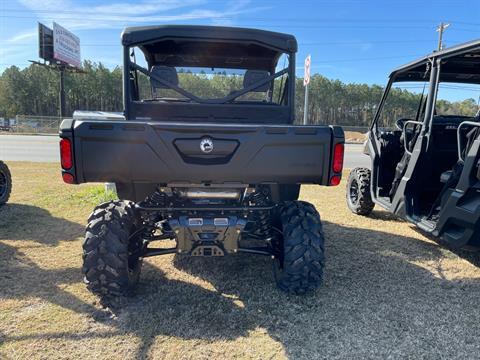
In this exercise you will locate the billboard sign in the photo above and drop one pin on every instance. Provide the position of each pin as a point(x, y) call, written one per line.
point(45, 45)
point(66, 46)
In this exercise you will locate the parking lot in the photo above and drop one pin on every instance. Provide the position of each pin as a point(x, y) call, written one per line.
point(388, 291)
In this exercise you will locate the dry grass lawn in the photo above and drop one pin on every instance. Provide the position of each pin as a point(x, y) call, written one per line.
point(389, 292)
point(355, 137)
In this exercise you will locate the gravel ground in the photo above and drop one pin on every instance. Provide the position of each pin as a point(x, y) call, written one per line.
point(389, 292)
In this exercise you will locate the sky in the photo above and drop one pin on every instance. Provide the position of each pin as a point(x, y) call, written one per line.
point(353, 41)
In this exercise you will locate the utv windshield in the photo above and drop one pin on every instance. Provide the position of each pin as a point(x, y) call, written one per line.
point(209, 73)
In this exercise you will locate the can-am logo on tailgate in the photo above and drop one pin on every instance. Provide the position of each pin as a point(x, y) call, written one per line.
point(206, 145)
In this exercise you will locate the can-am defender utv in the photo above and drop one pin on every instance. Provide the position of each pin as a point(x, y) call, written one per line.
point(205, 154)
point(5, 183)
point(427, 169)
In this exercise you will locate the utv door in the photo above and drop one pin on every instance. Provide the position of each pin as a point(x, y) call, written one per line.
point(398, 155)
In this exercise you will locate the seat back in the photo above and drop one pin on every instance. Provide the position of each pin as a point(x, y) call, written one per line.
point(166, 73)
point(253, 76)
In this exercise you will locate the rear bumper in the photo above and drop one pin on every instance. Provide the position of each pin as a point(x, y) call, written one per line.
point(170, 153)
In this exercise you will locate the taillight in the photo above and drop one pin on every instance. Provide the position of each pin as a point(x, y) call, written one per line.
point(337, 164)
point(68, 178)
point(66, 154)
point(338, 151)
point(335, 180)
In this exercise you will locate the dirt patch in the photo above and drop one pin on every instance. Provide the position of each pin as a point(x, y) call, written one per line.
point(388, 291)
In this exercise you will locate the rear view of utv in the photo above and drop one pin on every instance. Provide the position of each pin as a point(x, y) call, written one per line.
point(425, 168)
point(217, 168)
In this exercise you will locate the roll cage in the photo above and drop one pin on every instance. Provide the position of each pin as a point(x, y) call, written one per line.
point(464, 68)
point(420, 146)
point(257, 50)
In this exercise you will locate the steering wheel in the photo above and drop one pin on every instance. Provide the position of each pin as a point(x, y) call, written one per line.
point(400, 123)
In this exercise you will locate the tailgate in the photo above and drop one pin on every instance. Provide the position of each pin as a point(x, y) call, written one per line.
point(166, 153)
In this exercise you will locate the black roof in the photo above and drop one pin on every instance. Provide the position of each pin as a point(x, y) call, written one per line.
point(136, 35)
point(465, 60)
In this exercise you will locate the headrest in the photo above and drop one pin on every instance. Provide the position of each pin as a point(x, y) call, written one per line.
point(253, 76)
point(166, 73)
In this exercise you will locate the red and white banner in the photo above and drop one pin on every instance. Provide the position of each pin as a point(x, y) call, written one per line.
point(306, 77)
point(66, 46)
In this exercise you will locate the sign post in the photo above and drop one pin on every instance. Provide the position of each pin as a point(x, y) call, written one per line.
point(306, 81)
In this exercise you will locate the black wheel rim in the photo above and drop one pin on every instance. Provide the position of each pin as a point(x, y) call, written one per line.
point(3, 184)
point(354, 192)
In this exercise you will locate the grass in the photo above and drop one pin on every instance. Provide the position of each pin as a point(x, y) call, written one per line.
point(388, 291)
point(355, 137)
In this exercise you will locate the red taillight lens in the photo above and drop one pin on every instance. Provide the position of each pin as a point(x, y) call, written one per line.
point(335, 180)
point(338, 151)
point(68, 178)
point(66, 154)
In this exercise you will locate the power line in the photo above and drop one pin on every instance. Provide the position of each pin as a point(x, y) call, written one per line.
point(340, 43)
point(230, 17)
point(198, 18)
point(333, 61)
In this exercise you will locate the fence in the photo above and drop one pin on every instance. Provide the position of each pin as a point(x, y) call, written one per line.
point(50, 125)
point(36, 124)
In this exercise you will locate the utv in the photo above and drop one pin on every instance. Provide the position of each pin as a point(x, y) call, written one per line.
point(5, 183)
point(427, 169)
point(205, 154)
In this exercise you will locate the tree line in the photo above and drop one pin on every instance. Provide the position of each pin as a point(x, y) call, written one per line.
point(34, 91)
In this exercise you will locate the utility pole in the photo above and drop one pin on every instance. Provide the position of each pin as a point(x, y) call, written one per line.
point(440, 29)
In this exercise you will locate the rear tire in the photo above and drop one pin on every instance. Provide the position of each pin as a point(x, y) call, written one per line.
point(111, 262)
point(298, 266)
point(359, 198)
point(5, 183)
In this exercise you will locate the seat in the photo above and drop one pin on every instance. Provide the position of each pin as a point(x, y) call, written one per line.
point(253, 76)
point(166, 73)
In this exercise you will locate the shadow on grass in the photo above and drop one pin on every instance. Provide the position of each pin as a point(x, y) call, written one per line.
point(384, 215)
point(27, 222)
point(377, 300)
point(20, 277)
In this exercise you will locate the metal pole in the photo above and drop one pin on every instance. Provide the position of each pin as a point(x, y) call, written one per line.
point(305, 109)
point(440, 36)
point(441, 28)
point(62, 92)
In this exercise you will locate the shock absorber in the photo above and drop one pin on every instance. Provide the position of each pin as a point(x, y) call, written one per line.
point(157, 199)
point(263, 228)
point(156, 220)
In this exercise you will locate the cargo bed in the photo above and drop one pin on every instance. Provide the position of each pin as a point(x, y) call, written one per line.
point(170, 153)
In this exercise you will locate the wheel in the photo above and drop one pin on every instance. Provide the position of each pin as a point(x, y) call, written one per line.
point(298, 266)
point(111, 261)
point(5, 183)
point(359, 198)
